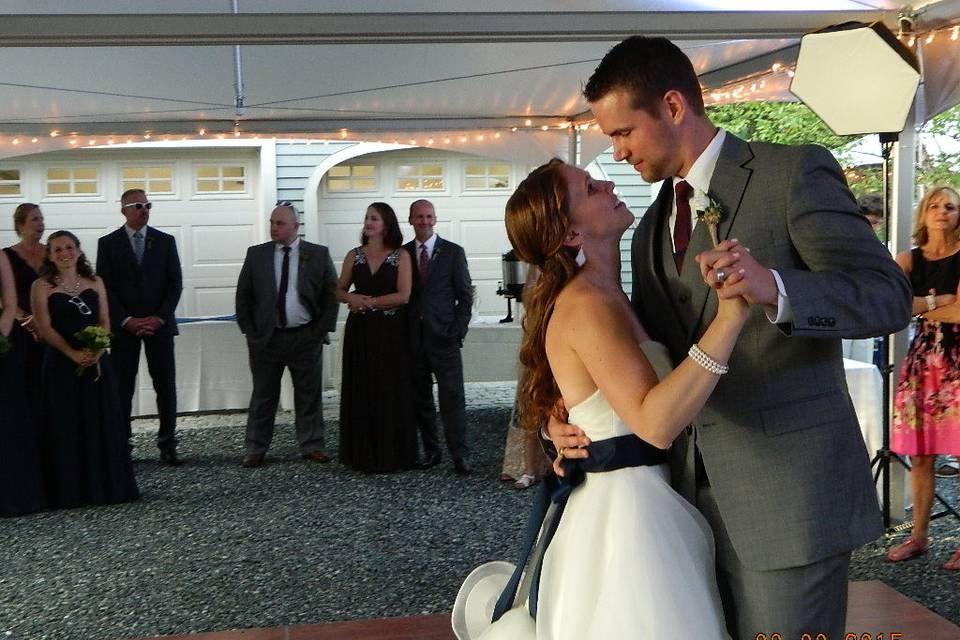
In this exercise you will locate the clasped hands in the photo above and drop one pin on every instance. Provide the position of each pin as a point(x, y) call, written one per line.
point(146, 326)
point(732, 271)
point(359, 303)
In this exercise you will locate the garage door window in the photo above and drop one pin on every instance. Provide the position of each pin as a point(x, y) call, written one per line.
point(72, 181)
point(155, 180)
point(221, 178)
point(10, 183)
point(425, 176)
point(486, 177)
point(346, 178)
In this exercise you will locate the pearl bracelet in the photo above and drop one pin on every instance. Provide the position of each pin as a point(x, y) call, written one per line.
point(931, 301)
point(699, 356)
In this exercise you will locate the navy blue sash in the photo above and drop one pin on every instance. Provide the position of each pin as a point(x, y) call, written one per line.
point(605, 455)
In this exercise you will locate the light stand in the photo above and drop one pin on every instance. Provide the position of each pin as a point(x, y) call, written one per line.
point(885, 456)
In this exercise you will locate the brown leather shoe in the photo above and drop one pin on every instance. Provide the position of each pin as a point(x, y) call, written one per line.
point(252, 460)
point(316, 456)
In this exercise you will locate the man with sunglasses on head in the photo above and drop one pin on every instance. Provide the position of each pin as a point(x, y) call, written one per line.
point(286, 306)
point(141, 270)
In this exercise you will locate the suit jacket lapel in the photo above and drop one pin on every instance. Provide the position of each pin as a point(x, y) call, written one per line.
point(269, 269)
point(655, 295)
point(727, 186)
point(126, 247)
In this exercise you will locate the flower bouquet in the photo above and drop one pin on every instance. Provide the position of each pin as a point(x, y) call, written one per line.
point(92, 339)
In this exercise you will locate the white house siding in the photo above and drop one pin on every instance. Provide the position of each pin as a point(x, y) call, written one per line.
point(633, 191)
point(212, 230)
point(296, 162)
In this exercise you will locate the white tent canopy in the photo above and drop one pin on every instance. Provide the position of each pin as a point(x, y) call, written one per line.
point(455, 74)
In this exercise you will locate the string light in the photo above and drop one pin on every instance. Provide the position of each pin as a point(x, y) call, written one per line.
point(955, 33)
point(527, 122)
point(929, 38)
point(54, 133)
point(202, 132)
point(544, 127)
point(33, 140)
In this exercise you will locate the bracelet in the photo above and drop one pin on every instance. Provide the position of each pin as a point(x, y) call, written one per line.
point(931, 302)
point(699, 356)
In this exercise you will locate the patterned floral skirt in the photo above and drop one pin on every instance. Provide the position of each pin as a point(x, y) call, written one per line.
point(926, 412)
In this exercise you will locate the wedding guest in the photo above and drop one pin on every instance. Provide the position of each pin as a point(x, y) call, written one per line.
point(285, 309)
point(377, 429)
point(523, 461)
point(141, 271)
point(21, 484)
point(441, 302)
point(25, 257)
point(927, 400)
point(871, 208)
point(84, 437)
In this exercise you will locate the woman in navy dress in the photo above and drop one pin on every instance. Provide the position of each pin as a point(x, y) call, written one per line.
point(377, 432)
point(85, 446)
point(21, 486)
point(26, 257)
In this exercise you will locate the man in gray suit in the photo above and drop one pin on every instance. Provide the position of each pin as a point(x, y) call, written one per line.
point(285, 308)
point(775, 461)
point(440, 306)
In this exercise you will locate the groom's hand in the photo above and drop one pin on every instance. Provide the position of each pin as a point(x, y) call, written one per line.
point(567, 438)
point(746, 277)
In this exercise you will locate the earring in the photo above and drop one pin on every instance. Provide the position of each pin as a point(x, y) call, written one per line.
point(581, 258)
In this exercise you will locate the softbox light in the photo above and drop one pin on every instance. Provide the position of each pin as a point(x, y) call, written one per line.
point(858, 78)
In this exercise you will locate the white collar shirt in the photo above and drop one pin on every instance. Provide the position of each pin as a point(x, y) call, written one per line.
point(698, 177)
point(297, 314)
point(429, 243)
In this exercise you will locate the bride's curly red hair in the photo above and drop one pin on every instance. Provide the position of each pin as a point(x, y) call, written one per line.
point(537, 219)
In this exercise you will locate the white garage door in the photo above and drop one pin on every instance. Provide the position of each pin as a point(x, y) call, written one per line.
point(468, 192)
point(206, 198)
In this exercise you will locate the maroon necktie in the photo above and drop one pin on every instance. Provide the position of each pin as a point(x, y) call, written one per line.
point(284, 283)
point(424, 261)
point(681, 228)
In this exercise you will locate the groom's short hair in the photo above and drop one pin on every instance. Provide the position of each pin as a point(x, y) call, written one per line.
point(647, 68)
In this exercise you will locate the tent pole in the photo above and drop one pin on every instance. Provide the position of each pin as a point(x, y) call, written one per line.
point(237, 69)
point(573, 145)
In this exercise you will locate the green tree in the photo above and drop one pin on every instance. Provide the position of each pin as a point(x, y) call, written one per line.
point(795, 123)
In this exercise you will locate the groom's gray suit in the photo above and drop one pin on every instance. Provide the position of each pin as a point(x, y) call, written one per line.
point(784, 478)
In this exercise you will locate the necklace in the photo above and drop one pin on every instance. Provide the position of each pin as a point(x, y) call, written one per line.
point(76, 285)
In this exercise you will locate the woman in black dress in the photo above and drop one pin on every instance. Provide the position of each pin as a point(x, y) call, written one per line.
point(377, 431)
point(21, 485)
point(85, 446)
point(25, 259)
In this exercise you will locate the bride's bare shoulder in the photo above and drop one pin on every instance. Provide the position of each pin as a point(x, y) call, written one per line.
point(582, 304)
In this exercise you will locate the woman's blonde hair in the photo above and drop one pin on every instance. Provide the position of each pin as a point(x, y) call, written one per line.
point(920, 235)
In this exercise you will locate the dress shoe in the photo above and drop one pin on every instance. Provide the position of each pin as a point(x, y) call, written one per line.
point(429, 460)
point(169, 457)
point(252, 460)
point(462, 467)
point(316, 456)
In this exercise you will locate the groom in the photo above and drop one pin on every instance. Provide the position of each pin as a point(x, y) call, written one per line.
point(775, 460)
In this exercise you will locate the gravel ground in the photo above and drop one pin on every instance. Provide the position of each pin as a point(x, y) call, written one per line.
point(212, 546)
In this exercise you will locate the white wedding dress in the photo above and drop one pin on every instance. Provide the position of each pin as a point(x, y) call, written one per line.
point(630, 558)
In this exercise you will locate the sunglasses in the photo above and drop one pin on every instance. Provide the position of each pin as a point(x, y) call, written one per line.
point(81, 306)
point(138, 205)
point(283, 203)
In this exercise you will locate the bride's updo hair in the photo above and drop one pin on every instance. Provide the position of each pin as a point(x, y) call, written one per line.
point(537, 219)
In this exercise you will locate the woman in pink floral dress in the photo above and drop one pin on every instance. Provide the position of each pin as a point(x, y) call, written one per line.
point(926, 419)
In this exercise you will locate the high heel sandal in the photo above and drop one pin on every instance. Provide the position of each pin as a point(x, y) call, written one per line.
point(953, 564)
point(524, 482)
point(909, 549)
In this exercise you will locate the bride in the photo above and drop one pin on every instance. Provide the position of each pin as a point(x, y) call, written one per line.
point(630, 558)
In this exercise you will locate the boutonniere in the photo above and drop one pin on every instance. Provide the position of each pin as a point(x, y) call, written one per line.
point(711, 216)
point(149, 242)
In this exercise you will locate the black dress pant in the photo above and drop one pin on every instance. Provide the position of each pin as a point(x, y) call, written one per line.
point(440, 358)
point(163, 372)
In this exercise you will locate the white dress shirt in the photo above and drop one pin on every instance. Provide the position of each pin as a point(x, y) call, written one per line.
point(297, 314)
point(429, 244)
